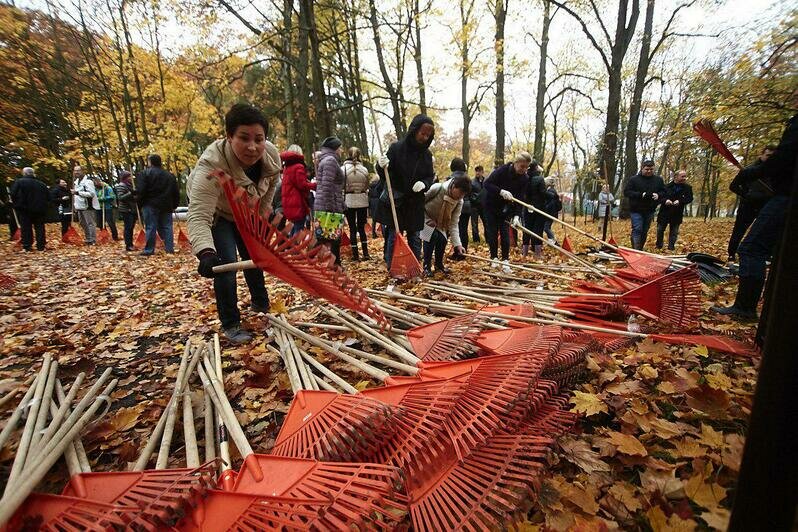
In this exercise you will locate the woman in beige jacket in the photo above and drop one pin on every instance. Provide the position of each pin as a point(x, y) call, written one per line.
point(443, 203)
point(357, 201)
point(254, 164)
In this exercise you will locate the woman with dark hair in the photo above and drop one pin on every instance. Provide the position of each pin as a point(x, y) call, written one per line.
point(443, 204)
point(356, 200)
point(254, 164)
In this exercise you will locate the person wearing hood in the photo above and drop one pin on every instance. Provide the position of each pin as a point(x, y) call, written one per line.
point(357, 201)
point(254, 165)
point(506, 182)
point(60, 195)
point(411, 173)
point(328, 216)
point(443, 204)
point(643, 191)
point(534, 195)
point(30, 197)
point(295, 188)
point(553, 208)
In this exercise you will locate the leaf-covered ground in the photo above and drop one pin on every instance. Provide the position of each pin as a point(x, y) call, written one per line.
point(661, 431)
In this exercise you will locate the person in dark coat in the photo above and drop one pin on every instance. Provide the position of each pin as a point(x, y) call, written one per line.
point(506, 182)
point(126, 200)
point(534, 195)
point(328, 216)
point(477, 195)
point(30, 197)
point(553, 208)
point(643, 191)
point(753, 193)
point(765, 234)
point(158, 197)
point(375, 189)
point(61, 196)
point(411, 173)
point(678, 194)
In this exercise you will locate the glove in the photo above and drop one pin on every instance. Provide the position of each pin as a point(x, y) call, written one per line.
point(643, 195)
point(506, 195)
point(675, 202)
point(383, 161)
point(207, 260)
point(516, 220)
point(655, 196)
point(418, 186)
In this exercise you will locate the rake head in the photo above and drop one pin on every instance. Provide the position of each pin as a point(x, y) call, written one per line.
point(450, 339)
point(716, 342)
point(568, 364)
point(103, 236)
point(675, 297)
point(17, 236)
point(482, 491)
point(530, 339)
point(566, 244)
point(404, 264)
point(334, 427)
point(66, 514)
point(296, 260)
point(141, 239)
point(182, 240)
point(646, 265)
point(159, 497)
point(71, 237)
point(354, 491)
point(524, 310)
point(704, 129)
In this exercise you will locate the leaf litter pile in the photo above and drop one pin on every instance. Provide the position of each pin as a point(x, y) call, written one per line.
point(661, 427)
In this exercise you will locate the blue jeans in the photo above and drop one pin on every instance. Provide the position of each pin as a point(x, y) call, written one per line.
point(298, 226)
point(761, 240)
point(227, 241)
point(641, 222)
point(160, 221)
point(129, 221)
point(413, 240)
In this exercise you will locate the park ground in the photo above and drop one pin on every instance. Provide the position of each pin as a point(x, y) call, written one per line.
point(661, 430)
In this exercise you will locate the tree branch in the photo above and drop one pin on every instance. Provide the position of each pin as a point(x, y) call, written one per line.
point(585, 30)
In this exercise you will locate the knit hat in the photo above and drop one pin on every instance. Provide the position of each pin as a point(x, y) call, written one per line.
point(331, 142)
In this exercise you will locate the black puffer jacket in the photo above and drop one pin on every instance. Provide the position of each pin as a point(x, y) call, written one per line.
point(30, 195)
point(675, 213)
point(639, 190)
point(409, 162)
point(158, 188)
point(535, 189)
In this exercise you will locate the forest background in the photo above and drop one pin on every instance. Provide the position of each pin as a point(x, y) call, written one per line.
point(590, 87)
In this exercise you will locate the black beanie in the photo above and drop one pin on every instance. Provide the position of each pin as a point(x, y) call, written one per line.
point(331, 142)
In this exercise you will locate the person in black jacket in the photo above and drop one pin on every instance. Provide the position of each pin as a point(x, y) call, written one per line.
point(126, 197)
point(534, 195)
point(506, 182)
point(753, 193)
point(61, 196)
point(30, 197)
point(553, 208)
point(678, 194)
point(158, 197)
point(409, 164)
point(477, 196)
point(643, 190)
point(765, 233)
point(375, 189)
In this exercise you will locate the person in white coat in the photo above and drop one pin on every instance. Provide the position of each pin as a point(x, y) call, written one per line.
point(443, 203)
point(356, 199)
point(86, 204)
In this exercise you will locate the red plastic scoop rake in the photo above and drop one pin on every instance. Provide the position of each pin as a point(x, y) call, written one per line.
point(704, 129)
point(450, 339)
point(404, 263)
point(298, 260)
point(71, 237)
point(47, 512)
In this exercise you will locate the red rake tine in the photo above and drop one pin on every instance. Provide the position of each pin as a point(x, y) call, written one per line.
point(646, 265)
point(404, 264)
point(446, 339)
point(715, 342)
point(61, 513)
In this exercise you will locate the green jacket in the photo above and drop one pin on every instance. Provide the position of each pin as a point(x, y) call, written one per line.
point(107, 196)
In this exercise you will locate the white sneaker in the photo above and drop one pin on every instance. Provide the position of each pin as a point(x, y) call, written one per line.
point(552, 242)
point(494, 263)
point(506, 266)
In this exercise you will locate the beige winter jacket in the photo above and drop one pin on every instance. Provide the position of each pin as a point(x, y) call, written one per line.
point(443, 212)
point(206, 197)
point(357, 185)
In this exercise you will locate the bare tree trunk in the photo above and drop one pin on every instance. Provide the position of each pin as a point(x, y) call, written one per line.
point(134, 69)
point(285, 69)
point(389, 86)
point(637, 93)
point(323, 118)
point(500, 15)
point(541, 91)
point(302, 75)
point(422, 90)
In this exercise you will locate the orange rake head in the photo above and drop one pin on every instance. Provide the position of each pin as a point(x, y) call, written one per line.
point(71, 237)
point(404, 264)
point(17, 236)
point(648, 266)
point(334, 427)
point(711, 341)
point(182, 240)
point(566, 244)
point(529, 339)
point(67, 514)
point(524, 310)
point(674, 298)
point(141, 239)
point(450, 339)
point(103, 236)
point(160, 497)
point(568, 365)
point(297, 260)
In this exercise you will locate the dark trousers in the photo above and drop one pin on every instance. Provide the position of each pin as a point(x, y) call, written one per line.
point(496, 226)
point(227, 241)
point(641, 222)
point(297, 226)
point(476, 216)
point(413, 240)
point(160, 222)
point(437, 244)
point(129, 222)
point(29, 221)
point(66, 221)
point(673, 234)
point(463, 228)
point(109, 221)
point(356, 219)
point(12, 224)
point(535, 222)
point(746, 214)
point(760, 242)
point(547, 229)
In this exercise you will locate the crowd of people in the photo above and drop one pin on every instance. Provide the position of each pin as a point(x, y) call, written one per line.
point(333, 192)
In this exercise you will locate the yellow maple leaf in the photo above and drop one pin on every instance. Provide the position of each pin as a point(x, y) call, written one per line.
point(689, 448)
point(277, 306)
point(626, 494)
point(710, 437)
point(362, 385)
point(701, 350)
point(588, 403)
point(627, 444)
point(648, 372)
point(702, 493)
point(719, 381)
point(674, 523)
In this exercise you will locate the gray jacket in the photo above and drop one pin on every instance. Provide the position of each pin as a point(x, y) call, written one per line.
point(329, 183)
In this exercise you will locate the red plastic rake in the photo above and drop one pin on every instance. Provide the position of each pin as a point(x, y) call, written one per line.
point(715, 342)
point(704, 129)
point(404, 263)
point(648, 266)
point(66, 514)
point(182, 240)
point(566, 244)
point(141, 239)
point(71, 237)
point(446, 339)
point(529, 339)
point(298, 260)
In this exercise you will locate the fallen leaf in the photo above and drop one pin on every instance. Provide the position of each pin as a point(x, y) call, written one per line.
point(588, 403)
point(578, 452)
point(626, 494)
point(627, 444)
